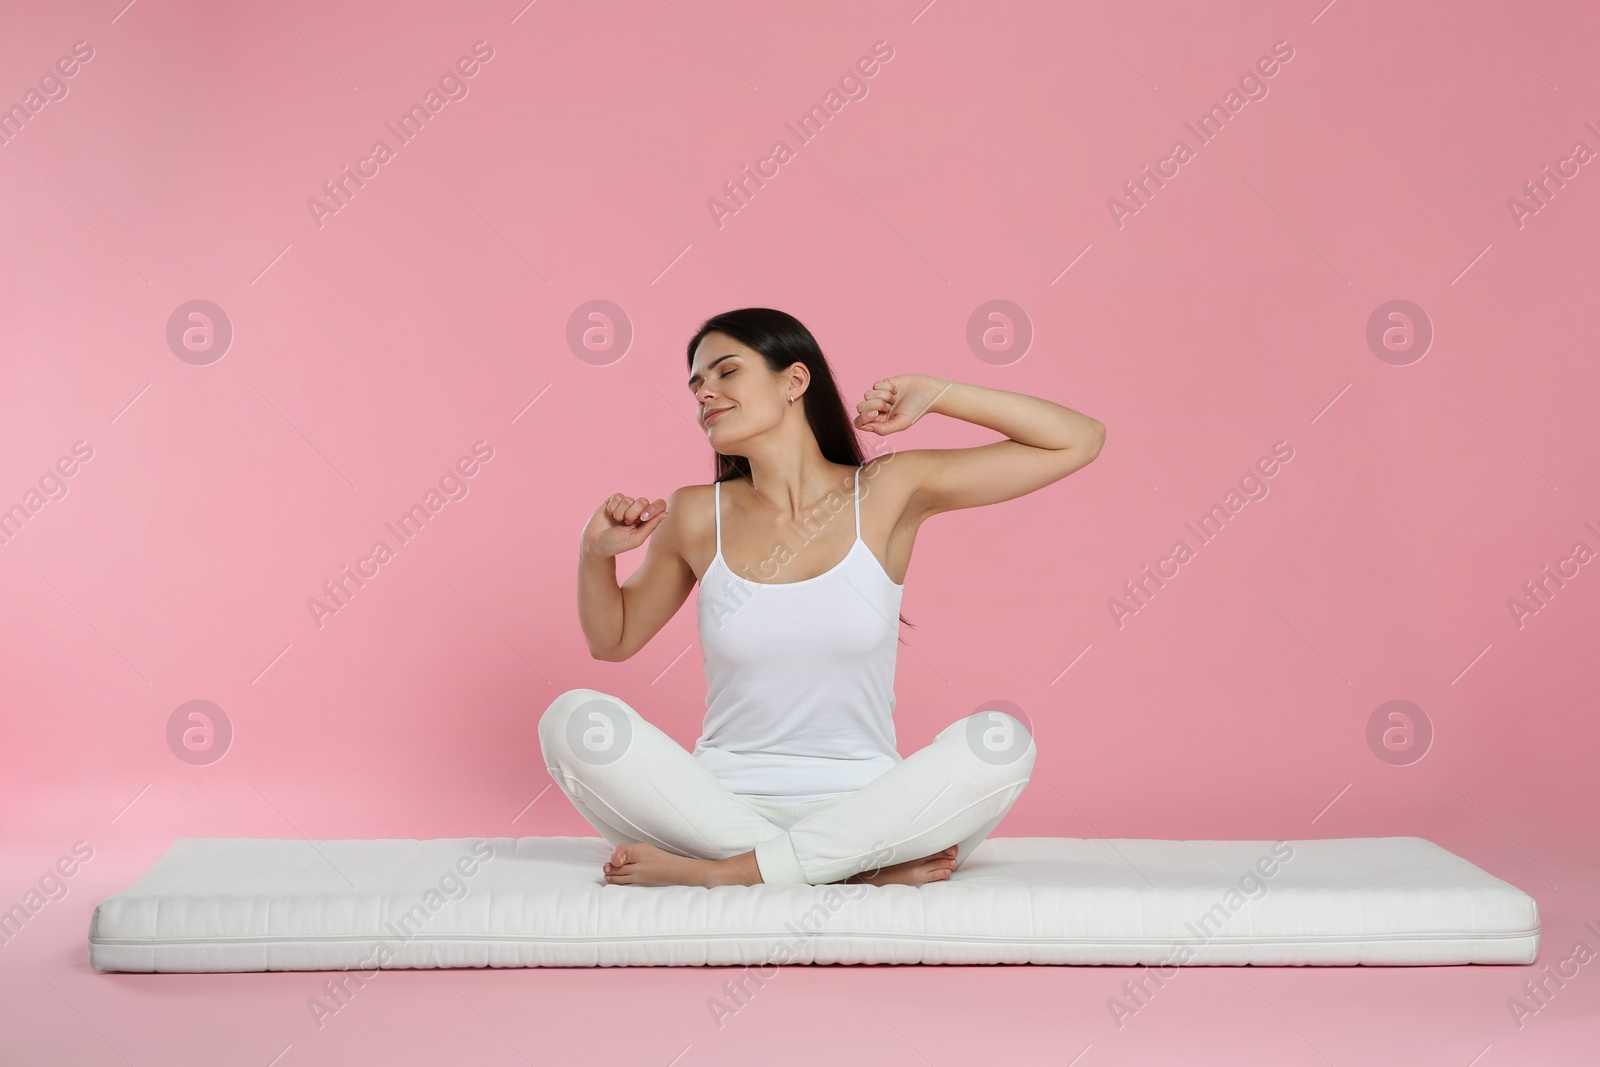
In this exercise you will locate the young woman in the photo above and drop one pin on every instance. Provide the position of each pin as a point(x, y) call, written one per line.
point(800, 566)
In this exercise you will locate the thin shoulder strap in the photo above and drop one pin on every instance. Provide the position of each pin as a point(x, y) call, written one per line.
point(718, 509)
point(858, 503)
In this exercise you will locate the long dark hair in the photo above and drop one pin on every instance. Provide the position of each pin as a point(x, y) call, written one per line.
point(783, 340)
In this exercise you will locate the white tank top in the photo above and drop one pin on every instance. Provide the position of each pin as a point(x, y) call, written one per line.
point(799, 675)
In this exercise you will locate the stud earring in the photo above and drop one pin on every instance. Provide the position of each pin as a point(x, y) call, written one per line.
point(791, 398)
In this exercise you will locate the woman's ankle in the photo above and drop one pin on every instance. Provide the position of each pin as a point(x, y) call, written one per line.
point(741, 869)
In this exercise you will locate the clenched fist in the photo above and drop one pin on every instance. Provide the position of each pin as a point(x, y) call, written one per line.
point(622, 524)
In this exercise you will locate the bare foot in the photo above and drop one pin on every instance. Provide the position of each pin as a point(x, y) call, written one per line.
point(934, 868)
point(642, 863)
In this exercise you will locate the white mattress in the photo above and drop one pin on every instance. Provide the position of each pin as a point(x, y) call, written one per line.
point(247, 904)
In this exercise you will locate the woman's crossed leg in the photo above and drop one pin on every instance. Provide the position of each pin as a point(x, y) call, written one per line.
point(673, 823)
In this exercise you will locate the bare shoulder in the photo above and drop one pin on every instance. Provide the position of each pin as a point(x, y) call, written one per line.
point(690, 518)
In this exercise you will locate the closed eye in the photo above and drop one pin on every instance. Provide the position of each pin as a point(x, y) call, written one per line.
point(722, 374)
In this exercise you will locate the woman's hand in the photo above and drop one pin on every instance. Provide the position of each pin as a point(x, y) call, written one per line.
point(622, 524)
point(894, 404)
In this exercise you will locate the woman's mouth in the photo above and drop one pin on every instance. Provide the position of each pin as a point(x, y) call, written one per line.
point(713, 414)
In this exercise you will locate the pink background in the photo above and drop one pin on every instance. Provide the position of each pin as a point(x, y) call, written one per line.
point(431, 312)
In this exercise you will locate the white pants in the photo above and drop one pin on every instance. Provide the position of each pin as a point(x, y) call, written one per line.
point(632, 782)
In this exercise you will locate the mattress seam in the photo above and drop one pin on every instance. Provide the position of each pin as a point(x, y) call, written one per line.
point(1289, 939)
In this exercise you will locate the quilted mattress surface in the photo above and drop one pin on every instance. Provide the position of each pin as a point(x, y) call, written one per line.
point(255, 904)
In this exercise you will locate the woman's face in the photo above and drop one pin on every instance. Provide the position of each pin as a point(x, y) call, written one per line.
point(736, 396)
